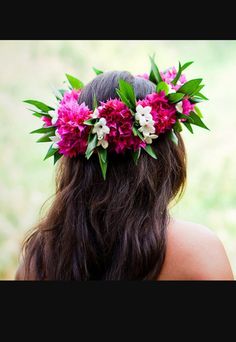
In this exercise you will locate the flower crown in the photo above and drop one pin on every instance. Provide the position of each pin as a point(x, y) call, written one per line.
point(120, 124)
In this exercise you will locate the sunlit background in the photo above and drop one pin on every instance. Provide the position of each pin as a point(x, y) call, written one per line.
point(30, 69)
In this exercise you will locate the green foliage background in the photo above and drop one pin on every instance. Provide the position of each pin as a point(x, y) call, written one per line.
point(29, 69)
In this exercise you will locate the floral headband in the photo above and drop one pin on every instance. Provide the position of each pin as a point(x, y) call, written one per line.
point(122, 124)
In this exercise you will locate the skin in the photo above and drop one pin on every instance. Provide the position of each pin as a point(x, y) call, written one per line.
point(193, 252)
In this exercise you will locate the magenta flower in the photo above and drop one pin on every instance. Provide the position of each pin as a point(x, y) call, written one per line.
point(70, 125)
point(163, 112)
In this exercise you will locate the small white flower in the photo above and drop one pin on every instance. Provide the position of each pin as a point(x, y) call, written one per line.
point(179, 107)
point(56, 138)
point(95, 114)
point(149, 138)
point(147, 129)
point(142, 112)
point(100, 128)
point(103, 142)
point(54, 117)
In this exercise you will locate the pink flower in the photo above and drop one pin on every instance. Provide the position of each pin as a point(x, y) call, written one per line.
point(70, 126)
point(187, 106)
point(169, 75)
point(145, 76)
point(120, 120)
point(163, 112)
point(47, 121)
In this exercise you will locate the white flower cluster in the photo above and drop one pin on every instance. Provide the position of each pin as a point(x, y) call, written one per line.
point(101, 129)
point(144, 117)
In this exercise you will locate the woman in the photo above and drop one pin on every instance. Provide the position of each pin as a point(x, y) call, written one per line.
point(120, 228)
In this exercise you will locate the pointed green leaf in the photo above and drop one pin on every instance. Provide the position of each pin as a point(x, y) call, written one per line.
point(44, 130)
point(40, 105)
point(137, 132)
point(175, 80)
point(50, 152)
point(189, 87)
point(186, 65)
point(162, 86)
point(103, 162)
point(197, 120)
point(136, 155)
point(95, 102)
point(90, 122)
point(196, 99)
point(177, 126)
point(202, 96)
point(103, 154)
point(92, 143)
point(97, 71)
point(56, 157)
point(198, 112)
point(198, 89)
point(150, 151)
point(155, 75)
point(127, 90)
point(188, 126)
point(46, 137)
point(175, 97)
point(173, 137)
point(74, 82)
point(183, 116)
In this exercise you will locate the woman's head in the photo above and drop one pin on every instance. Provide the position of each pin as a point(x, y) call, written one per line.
point(112, 229)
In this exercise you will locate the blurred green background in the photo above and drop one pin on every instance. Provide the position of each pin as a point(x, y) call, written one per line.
point(30, 69)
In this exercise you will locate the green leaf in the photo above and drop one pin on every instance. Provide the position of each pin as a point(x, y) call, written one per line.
point(189, 87)
point(92, 143)
point(198, 89)
point(90, 122)
point(50, 152)
point(137, 132)
point(95, 102)
point(44, 130)
point(175, 80)
point(196, 99)
point(136, 155)
point(46, 137)
point(150, 151)
point(186, 65)
point(123, 98)
point(102, 155)
point(155, 75)
point(197, 120)
point(188, 125)
point(97, 71)
point(175, 97)
point(127, 91)
point(202, 96)
point(62, 91)
point(198, 112)
point(56, 157)
point(40, 105)
point(162, 86)
point(74, 82)
point(183, 116)
point(38, 115)
point(177, 126)
point(173, 137)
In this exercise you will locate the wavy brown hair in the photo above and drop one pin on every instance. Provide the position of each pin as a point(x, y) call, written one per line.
point(113, 229)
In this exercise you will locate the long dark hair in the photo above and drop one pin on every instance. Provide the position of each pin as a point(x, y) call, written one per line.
point(113, 229)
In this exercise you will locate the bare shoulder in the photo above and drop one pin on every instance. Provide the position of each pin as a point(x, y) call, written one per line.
point(194, 252)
